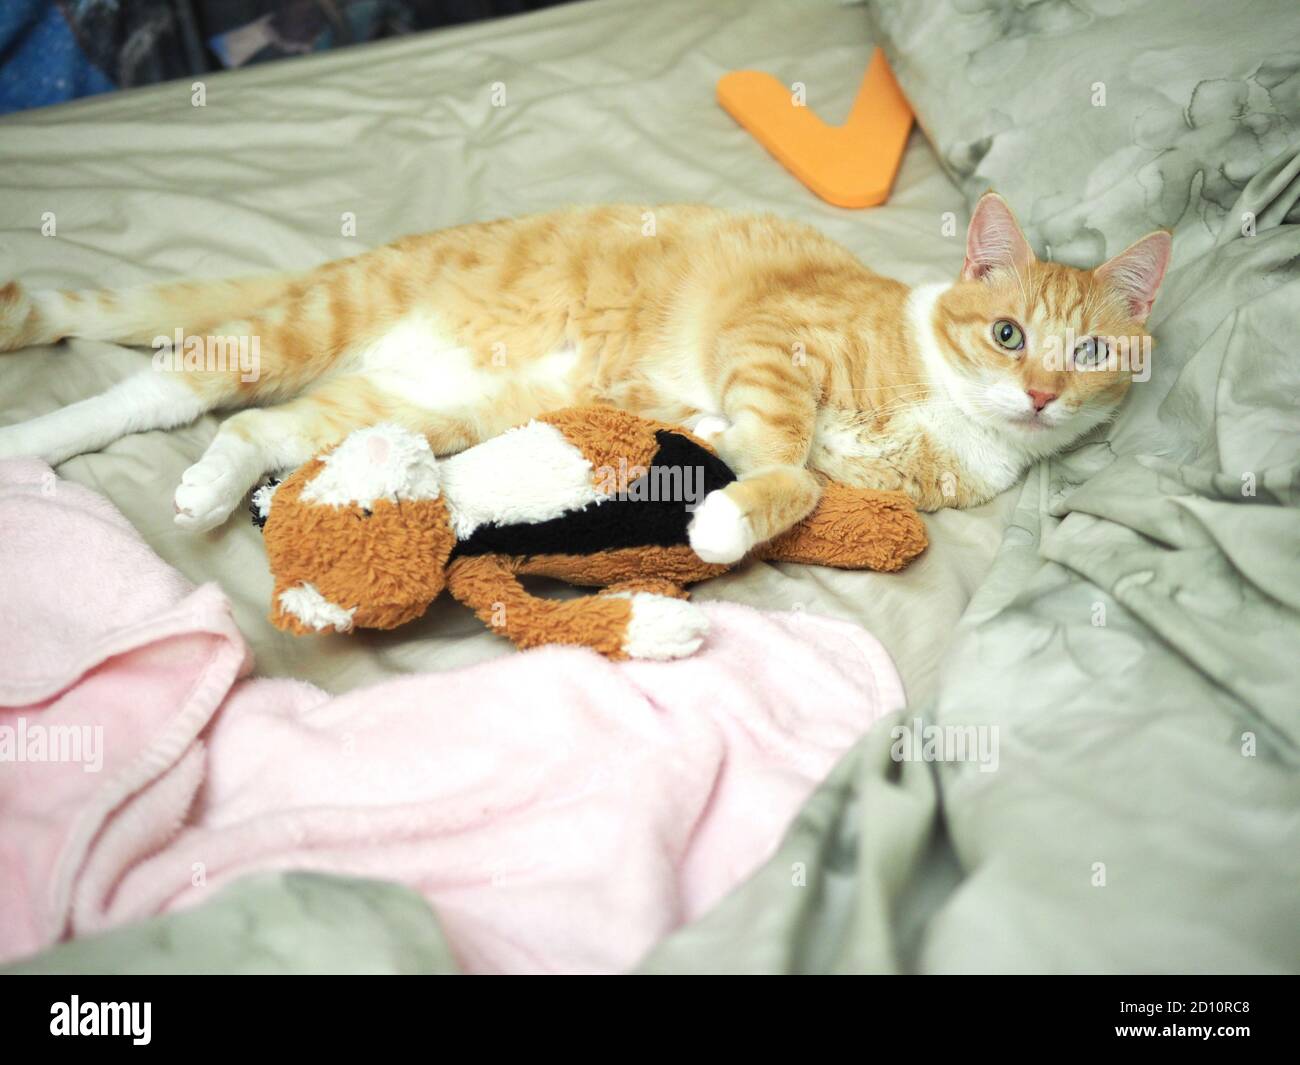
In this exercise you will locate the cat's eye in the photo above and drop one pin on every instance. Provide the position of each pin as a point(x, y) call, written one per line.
point(1008, 335)
point(1090, 352)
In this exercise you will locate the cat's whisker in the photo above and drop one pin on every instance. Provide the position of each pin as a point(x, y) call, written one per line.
point(917, 390)
point(899, 379)
point(907, 405)
point(1024, 294)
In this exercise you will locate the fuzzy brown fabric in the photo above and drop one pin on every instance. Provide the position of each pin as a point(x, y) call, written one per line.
point(853, 528)
point(678, 565)
point(653, 585)
point(357, 560)
point(607, 436)
point(487, 584)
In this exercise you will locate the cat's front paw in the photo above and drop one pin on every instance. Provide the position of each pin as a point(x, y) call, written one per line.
point(719, 531)
point(209, 491)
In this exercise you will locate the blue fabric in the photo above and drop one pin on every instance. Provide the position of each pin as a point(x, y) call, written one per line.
point(54, 50)
point(40, 59)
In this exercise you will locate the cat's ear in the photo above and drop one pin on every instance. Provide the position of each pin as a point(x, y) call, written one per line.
point(1136, 272)
point(994, 239)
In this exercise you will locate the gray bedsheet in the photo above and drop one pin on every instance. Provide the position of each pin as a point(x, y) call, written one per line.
point(608, 101)
point(269, 924)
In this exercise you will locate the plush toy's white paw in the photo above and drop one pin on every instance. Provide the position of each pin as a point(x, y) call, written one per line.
point(719, 531)
point(663, 627)
point(208, 492)
point(305, 603)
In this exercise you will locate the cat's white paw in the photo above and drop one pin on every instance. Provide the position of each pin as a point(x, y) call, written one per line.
point(708, 427)
point(719, 531)
point(209, 491)
point(662, 628)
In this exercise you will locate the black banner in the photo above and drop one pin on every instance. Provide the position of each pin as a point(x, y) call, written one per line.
point(218, 1014)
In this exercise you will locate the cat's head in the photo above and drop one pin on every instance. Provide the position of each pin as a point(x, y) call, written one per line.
point(1040, 351)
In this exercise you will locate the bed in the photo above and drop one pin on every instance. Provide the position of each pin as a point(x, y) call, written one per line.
point(913, 866)
point(144, 186)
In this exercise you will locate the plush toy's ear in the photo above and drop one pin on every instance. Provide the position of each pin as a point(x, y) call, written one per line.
point(854, 528)
point(382, 461)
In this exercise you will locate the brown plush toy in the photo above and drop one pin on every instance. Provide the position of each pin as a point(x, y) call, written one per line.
point(371, 532)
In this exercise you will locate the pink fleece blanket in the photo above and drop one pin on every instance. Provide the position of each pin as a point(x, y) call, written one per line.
point(560, 812)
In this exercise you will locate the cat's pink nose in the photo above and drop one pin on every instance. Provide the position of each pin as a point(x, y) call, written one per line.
point(1040, 399)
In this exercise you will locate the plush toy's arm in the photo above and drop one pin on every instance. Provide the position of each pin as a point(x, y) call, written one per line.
point(618, 624)
point(853, 528)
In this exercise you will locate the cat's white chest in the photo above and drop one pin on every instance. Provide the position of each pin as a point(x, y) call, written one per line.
point(926, 444)
point(987, 461)
point(983, 459)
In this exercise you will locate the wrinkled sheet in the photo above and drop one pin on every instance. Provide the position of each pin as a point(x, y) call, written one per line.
point(1101, 121)
point(269, 924)
point(607, 101)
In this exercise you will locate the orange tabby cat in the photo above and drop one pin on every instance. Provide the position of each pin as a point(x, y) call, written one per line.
point(818, 365)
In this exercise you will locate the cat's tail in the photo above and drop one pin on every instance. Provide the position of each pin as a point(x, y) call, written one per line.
point(137, 316)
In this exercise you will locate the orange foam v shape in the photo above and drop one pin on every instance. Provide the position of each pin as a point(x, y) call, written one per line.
point(852, 165)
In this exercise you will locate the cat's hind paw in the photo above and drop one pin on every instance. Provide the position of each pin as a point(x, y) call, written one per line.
point(15, 310)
